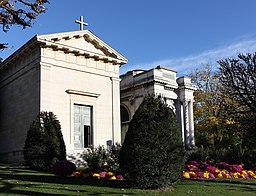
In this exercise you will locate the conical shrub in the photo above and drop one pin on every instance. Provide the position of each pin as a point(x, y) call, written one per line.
point(152, 155)
point(44, 144)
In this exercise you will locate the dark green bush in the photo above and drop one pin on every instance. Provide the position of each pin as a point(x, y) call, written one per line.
point(44, 144)
point(152, 155)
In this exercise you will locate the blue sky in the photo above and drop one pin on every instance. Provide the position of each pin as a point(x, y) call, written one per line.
point(180, 34)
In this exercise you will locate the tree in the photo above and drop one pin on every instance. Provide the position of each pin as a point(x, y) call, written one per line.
point(44, 144)
point(152, 155)
point(19, 12)
point(238, 78)
point(214, 127)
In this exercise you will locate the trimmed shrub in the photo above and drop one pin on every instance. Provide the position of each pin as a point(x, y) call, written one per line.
point(152, 155)
point(63, 168)
point(44, 144)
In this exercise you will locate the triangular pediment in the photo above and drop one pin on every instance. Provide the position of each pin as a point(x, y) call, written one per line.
point(82, 43)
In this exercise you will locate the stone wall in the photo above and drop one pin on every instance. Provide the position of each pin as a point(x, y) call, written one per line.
point(19, 103)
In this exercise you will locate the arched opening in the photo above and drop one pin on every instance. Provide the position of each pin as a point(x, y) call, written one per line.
point(124, 114)
point(125, 119)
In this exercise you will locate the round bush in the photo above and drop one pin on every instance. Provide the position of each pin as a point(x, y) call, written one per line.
point(152, 155)
point(63, 168)
point(44, 144)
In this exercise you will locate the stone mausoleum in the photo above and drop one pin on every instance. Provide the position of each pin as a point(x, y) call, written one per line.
point(159, 82)
point(75, 75)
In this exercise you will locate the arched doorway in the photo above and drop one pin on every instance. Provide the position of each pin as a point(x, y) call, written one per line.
point(125, 119)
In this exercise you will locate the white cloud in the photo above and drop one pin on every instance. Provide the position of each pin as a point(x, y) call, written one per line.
point(185, 64)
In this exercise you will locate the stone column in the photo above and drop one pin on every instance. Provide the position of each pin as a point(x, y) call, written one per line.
point(191, 124)
point(116, 127)
point(180, 119)
point(186, 123)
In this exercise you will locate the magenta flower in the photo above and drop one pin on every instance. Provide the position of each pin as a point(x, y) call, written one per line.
point(211, 175)
point(119, 177)
point(103, 174)
point(200, 174)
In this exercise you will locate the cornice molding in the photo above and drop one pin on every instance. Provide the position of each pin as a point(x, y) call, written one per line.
point(83, 93)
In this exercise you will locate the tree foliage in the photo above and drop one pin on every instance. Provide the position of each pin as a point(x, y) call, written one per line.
point(238, 80)
point(225, 103)
point(152, 154)
point(44, 144)
point(214, 127)
point(19, 12)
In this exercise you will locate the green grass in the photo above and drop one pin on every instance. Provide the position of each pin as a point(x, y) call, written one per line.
point(28, 182)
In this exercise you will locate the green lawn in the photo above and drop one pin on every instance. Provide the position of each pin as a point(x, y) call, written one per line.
point(27, 182)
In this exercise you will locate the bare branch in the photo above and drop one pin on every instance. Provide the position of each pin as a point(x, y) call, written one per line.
point(239, 79)
point(19, 12)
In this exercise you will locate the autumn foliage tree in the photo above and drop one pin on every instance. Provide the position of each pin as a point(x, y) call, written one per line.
point(214, 127)
point(19, 12)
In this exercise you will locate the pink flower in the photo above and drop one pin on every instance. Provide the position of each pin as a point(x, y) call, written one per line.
point(103, 174)
point(119, 177)
point(210, 168)
point(211, 175)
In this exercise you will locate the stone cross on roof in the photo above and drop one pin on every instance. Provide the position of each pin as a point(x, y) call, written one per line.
point(82, 23)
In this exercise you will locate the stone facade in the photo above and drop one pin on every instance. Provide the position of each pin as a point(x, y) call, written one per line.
point(76, 76)
point(160, 82)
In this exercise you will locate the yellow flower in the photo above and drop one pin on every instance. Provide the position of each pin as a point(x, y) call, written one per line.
point(110, 174)
point(186, 175)
point(236, 175)
point(113, 178)
point(96, 175)
point(206, 174)
point(250, 172)
point(223, 171)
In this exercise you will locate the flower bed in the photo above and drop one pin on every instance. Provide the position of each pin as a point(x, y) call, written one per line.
point(193, 170)
point(97, 175)
point(206, 170)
